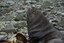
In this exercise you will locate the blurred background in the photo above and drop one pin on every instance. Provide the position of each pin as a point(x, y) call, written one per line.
point(13, 15)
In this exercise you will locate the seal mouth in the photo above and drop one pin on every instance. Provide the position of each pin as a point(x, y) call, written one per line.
point(28, 10)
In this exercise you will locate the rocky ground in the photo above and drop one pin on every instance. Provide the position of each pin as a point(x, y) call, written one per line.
point(13, 15)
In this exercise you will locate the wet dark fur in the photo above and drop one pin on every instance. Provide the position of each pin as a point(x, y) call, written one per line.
point(39, 28)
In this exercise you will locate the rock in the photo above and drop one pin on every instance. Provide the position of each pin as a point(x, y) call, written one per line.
point(9, 31)
point(3, 33)
point(62, 32)
point(20, 11)
point(2, 37)
point(9, 28)
point(10, 2)
point(62, 3)
point(20, 25)
point(30, 1)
